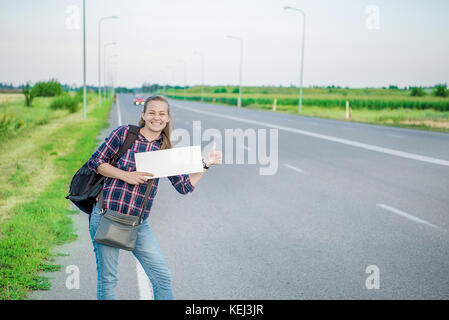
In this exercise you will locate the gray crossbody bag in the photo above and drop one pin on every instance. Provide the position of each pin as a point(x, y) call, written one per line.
point(117, 229)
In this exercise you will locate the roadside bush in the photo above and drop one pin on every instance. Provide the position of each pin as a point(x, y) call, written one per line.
point(79, 95)
point(47, 89)
point(220, 90)
point(417, 92)
point(66, 102)
point(356, 103)
point(440, 90)
point(9, 123)
point(90, 94)
point(28, 93)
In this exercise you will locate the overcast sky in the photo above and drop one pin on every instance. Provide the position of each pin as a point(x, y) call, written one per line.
point(354, 43)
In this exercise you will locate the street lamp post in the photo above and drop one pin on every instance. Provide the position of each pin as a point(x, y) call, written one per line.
point(109, 68)
point(302, 52)
point(99, 55)
point(202, 74)
point(112, 81)
point(173, 79)
point(165, 88)
point(239, 103)
point(104, 63)
point(182, 61)
point(84, 60)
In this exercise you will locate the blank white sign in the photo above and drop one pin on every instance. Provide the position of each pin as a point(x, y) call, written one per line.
point(170, 162)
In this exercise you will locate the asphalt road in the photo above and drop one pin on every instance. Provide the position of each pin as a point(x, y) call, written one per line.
point(345, 199)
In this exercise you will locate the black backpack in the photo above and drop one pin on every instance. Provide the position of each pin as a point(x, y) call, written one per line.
point(86, 184)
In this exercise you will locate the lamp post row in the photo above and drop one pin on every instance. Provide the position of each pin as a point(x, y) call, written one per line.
point(239, 103)
point(99, 54)
point(84, 59)
point(302, 51)
point(104, 64)
point(109, 72)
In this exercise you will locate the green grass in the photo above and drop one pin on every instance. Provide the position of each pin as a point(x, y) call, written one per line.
point(390, 107)
point(15, 117)
point(312, 97)
point(65, 101)
point(35, 215)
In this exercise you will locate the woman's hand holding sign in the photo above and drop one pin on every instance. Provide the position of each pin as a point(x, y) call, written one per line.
point(139, 177)
point(136, 177)
point(131, 177)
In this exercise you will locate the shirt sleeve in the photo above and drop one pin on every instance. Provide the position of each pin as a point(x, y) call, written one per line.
point(182, 183)
point(108, 149)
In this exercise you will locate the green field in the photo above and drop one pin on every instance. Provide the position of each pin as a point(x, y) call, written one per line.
point(392, 107)
point(38, 159)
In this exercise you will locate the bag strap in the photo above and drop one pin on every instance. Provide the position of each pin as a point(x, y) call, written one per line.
point(145, 202)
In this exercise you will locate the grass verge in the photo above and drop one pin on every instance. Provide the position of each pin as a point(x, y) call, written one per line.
point(35, 215)
point(427, 119)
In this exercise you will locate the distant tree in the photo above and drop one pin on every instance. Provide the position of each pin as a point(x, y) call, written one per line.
point(393, 87)
point(417, 92)
point(29, 94)
point(123, 90)
point(440, 90)
point(6, 86)
point(146, 87)
point(47, 88)
point(221, 90)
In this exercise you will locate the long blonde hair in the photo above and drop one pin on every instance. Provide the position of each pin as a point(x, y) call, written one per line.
point(166, 142)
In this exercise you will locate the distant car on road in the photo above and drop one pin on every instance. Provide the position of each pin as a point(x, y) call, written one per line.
point(139, 101)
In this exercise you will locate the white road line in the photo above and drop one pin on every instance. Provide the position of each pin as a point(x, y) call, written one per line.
point(119, 115)
point(143, 283)
point(293, 168)
point(145, 288)
point(409, 216)
point(326, 137)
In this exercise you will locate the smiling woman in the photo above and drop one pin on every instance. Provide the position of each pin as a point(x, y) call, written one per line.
point(155, 119)
point(125, 194)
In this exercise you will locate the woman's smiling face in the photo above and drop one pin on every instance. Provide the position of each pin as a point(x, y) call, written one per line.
point(156, 116)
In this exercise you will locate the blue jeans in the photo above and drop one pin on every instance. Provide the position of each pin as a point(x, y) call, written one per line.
point(148, 253)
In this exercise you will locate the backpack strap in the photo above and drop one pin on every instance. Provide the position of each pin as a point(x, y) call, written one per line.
point(133, 133)
point(131, 136)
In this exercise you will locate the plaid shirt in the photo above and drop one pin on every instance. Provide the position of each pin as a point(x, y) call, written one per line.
point(119, 195)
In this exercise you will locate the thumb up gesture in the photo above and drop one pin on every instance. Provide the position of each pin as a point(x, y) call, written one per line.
point(214, 157)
